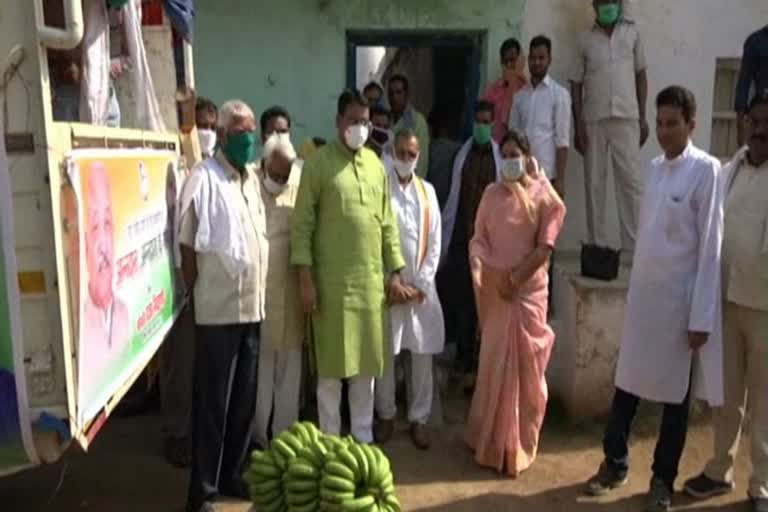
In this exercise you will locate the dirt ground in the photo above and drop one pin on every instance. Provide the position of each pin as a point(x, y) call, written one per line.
point(125, 472)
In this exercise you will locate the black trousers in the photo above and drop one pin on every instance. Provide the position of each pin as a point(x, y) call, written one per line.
point(669, 445)
point(223, 406)
point(454, 285)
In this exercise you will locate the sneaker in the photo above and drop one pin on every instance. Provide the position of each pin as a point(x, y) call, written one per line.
point(383, 430)
point(605, 481)
point(420, 436)
point(703, 487)
point(659, 496)
point(759, 504)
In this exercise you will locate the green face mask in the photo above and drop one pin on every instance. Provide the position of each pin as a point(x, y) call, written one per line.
point(240, 148)
point(608, 14)
point(481, 133)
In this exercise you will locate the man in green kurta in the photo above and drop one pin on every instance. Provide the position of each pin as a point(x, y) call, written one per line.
point(345, 242)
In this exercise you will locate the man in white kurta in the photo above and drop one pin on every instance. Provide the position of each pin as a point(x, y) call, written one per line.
point(745, 317)
point(417, 324)
point(282, 332)
point(671, 326)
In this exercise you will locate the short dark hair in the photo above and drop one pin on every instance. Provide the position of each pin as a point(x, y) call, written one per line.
point(541, 40)
point(485, 106)
point(272, 113)
point(206, 105)
point(761, 98)
point(519, 139)
point(350, 97)
point(510, 44)
point(373, 85)
point(679, 97)
point(399, 77)
point(378, 110)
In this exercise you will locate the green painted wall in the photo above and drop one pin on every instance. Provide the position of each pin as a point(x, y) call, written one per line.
point(293, 52)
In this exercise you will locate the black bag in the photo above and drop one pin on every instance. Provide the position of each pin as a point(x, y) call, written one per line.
point(599, 262)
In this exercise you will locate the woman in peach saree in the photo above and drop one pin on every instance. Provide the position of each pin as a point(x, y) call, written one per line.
point(516, 228)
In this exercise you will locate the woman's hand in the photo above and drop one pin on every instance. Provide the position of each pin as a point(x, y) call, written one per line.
point(532, 167)
point(509, 287)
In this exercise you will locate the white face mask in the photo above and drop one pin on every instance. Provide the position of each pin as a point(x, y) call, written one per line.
point(274, 187)
point(356, 135)
point(512, 169)
point(405, 169)
point(207, 141)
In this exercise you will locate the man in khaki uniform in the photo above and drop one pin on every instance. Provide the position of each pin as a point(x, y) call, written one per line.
point(609, 91)
point(224, 255)
point(745, 325)
point(282, 333)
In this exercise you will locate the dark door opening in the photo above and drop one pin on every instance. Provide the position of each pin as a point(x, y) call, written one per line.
point(443, 68)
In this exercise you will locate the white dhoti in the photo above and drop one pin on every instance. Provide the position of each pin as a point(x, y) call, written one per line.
point(279, 384)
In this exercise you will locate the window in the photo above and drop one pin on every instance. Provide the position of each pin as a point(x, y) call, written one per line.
point(724, 121)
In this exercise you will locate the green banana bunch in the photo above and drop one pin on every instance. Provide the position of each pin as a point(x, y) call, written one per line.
point(307, 471)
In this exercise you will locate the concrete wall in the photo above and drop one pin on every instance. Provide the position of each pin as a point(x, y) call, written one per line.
point(683, 39)
point(294, 52)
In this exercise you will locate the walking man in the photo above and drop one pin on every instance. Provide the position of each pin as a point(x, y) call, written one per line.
point(344, 240)
point(609, 90)
point(416, 325)
point(671, 344)
point(745, 325)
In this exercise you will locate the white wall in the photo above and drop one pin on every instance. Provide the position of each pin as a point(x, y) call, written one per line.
point(683, 39)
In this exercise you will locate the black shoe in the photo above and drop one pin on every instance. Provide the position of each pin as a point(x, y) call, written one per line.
point(703, 487)
point(176, 452)
point(605, 481)
point(659, 497)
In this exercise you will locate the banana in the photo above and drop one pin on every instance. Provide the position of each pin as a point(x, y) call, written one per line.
point(264, 471)
point(338, 469)
point(296, 499)
point(303, 471)
point(301, 486)
point(373, 465)
point(349, 460)
point(337, 484)
point(281, 463)
point(358, 504)
point(387, 484)
point(282, 448)
point(302, 433)
point(382, 461)
point(267, 486)
point(392, 502)
point(261, 456)
point(362, 461)
point(291, 440)
point(306, 454)
point(332, 496)
point(268, 497)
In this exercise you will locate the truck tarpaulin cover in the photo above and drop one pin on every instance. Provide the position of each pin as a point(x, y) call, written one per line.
point(16, 447)
point(123, 264)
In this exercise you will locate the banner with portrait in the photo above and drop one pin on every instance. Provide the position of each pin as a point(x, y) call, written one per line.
point(120, 226)
point(16, 446)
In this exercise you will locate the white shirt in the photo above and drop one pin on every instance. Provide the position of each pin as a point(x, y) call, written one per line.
point(675, 284)
point(417, 327)
point(543, 114)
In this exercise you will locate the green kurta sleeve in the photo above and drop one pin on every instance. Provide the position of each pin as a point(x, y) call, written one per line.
point(390, 235)
point(304, 218)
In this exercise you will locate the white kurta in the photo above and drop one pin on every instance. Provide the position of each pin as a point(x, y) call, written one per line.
point(417, 327)
point(675, 284)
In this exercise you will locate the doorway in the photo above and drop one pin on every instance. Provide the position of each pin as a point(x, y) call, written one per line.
point(443, 68)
